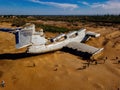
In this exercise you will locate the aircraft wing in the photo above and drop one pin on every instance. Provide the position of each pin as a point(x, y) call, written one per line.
point(84, 48)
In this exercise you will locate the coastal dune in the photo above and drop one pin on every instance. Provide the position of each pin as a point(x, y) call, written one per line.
point(61, 70)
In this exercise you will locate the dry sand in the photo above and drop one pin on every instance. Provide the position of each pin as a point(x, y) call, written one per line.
point(60, 70)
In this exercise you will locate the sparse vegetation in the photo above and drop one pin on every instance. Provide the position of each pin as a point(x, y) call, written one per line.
point(76, 18)
point(17, 22)
point(95, 18)
point(53, 29)
point(103, 20)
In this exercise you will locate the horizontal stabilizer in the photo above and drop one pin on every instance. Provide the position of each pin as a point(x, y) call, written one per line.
point(84, 48)
point(7, 30)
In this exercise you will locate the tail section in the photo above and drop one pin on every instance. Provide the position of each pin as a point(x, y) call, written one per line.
point(23, 38)
point(28, 36)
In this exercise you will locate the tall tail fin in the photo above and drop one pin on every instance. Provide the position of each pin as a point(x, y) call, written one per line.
point(23, 38)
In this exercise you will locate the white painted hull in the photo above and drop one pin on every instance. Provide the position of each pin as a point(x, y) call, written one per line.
point(54, 46)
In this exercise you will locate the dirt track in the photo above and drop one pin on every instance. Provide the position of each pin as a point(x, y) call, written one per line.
point(60, 70)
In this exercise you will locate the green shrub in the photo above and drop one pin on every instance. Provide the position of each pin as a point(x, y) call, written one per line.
point(18, 22)
point(53, 29)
